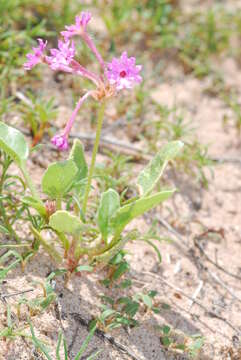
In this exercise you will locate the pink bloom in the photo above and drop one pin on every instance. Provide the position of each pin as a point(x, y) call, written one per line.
point(62, 57)
point(79, 27)
point(60, 141)
point(123, 72)
point(36, 57)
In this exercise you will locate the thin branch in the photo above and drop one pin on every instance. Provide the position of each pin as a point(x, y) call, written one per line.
point(195, 294)
point(220, 282)
point(129, 149)
point(179, 241)
point(199, 246)
point(4, 296)
point(209, 312)
point(226, 160)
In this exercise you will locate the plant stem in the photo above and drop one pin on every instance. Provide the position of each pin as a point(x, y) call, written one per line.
point(58, 203)
point(30, 183)
point(47, 247)
point(95, 150)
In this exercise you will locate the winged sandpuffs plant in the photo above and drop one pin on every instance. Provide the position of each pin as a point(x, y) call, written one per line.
point(96, 236)
point(89, 232)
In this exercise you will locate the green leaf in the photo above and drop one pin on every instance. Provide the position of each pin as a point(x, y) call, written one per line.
point(130, 211)
point(125, 284)
point(147, 300)
point(131, 308)
point(150, 175)
point(38, 344)
point(85, 343)
point(165, 341)
point(64, 222)
point(78, 156)
point(58, 178)
point(155, 248)
point(84, 268)
point(60, 336)
point(109, 204)
point(4, 271)
point(4, 230)
point(30, 201)
point(122, 268)
point(108, 300)
point(93, 356)
point(152, 293)
point(106, 314)
point(111, 252)
point(166, 329)
point(13, 143)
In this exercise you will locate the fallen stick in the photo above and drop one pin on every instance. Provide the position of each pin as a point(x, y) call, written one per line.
point(195, 294)
point(209, 312)
point(103, 336)
point(220, 282)
point(4, 296)
point(199, 246)
point(126, 147)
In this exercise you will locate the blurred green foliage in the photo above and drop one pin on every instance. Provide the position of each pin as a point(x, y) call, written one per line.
point(160, 31)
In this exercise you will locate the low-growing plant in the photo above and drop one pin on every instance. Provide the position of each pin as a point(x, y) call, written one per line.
point(90, 232)
point(147, 18)
point(231, 100)
point(180, 342)
point(171, 124)
point(205, 34)
point(37, 114)
point(122, 312)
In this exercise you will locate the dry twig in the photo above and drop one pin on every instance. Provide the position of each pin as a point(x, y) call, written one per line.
point(195, 294)
point(4, 296)
point(199, 246)
point(103, 336)
point(209, 312)
point(220, 282)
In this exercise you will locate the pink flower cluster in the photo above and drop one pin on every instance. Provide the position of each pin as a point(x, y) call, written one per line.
point(37, 55)
point(81, 23)
point(120, 73)
point(61, 58)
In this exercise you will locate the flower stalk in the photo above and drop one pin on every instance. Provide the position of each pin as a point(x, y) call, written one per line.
point(94, 153)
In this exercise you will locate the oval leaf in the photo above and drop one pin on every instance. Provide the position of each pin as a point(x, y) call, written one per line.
point(34, 203)
point(109, 204)
point(64, 222)
point(130, 211)
point(13, 143)
point(78, 156)
point(58, 178)
point(150, 175)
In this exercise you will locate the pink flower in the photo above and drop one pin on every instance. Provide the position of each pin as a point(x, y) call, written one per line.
point(123, 72)
point(79, 27)
point(62, 57)
point(60, 141)
point(36, 57)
